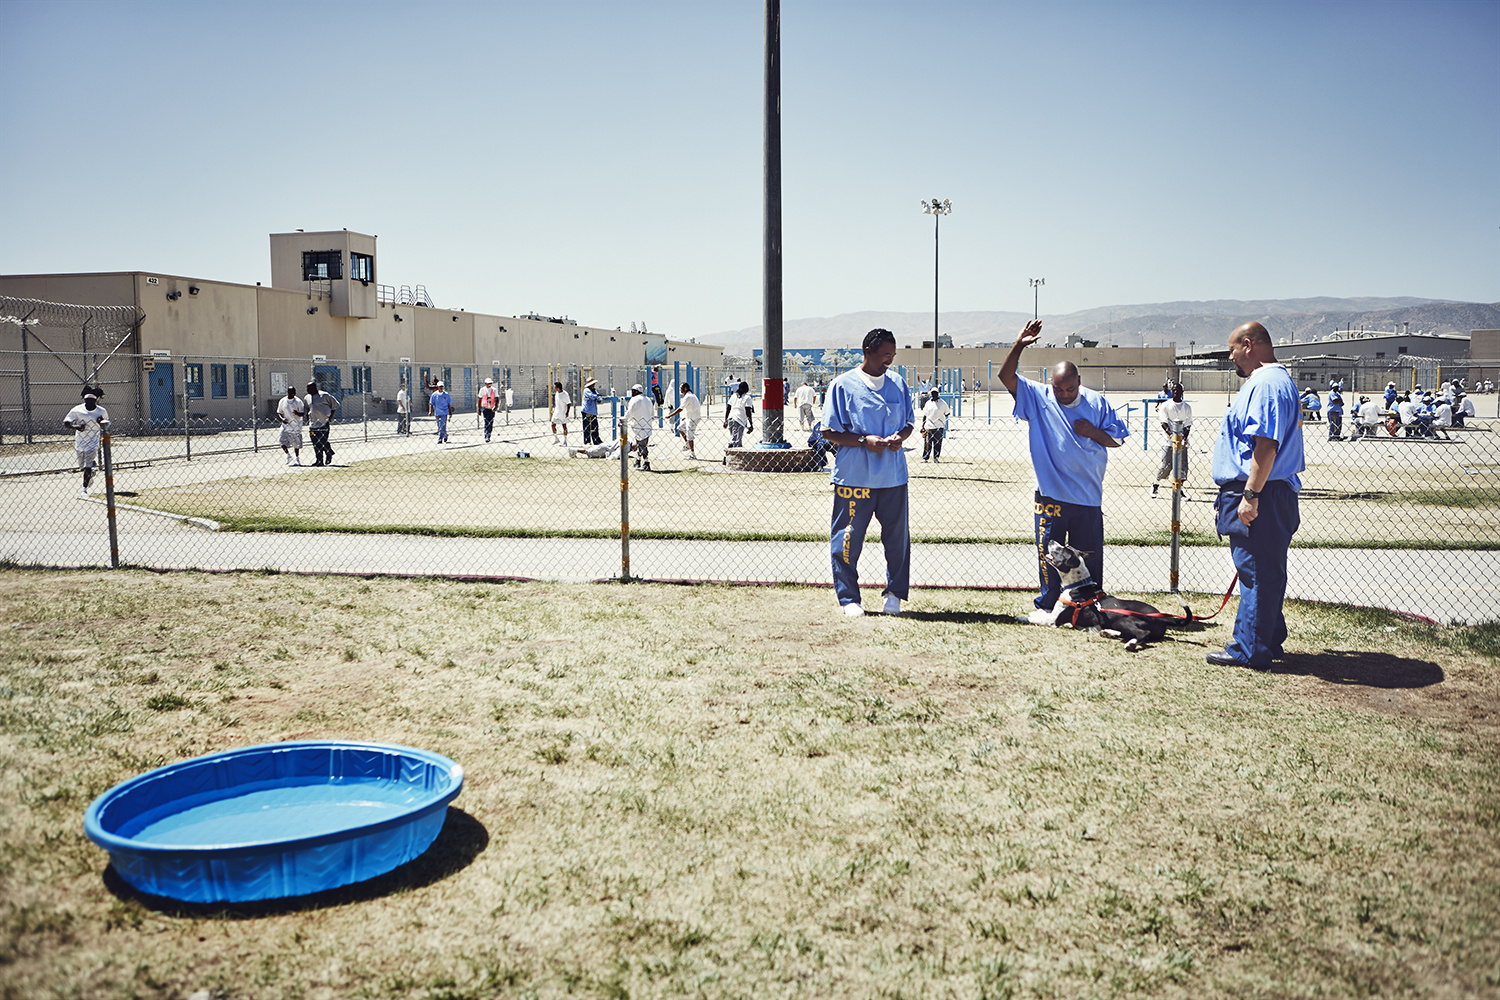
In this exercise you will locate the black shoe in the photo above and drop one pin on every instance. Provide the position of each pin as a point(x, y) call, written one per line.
point(1220, 658)
point(1154, 488)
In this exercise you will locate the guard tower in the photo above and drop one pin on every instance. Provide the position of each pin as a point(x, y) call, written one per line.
point(339, 264)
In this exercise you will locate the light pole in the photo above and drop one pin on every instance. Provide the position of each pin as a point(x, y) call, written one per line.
point(936, 209)
point(1036, 297)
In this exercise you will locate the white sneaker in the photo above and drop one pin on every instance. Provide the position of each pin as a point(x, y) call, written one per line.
point(289, 460)
point(555, 440)
point(83, 494)
point(892, 604)
point(853, 610)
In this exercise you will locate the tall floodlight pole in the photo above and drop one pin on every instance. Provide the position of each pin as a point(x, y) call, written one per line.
point(1036, 297)
point(936, 209)
point(773, 399)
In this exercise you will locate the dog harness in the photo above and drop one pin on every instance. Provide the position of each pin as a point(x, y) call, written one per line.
point(1078, 606)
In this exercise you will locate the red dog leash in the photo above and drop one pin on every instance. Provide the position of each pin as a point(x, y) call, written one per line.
point(1078, 607)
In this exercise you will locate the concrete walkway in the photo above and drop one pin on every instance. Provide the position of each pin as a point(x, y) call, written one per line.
point(1444, 586)
point(42, 524)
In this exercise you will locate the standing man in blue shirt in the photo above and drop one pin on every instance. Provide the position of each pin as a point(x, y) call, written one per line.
point(1257, 460)
point(440, 404)
point(868, 415)
point(591, 413)
point(1070, 430)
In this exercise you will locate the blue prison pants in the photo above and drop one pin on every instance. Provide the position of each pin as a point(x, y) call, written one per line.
point(1259, 555)
point(853, 506)
point(1073, 524)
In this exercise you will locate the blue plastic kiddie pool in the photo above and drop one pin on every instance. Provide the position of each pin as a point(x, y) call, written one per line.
point(281, 819)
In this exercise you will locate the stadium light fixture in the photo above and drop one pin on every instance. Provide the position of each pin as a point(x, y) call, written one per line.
point(936, 209)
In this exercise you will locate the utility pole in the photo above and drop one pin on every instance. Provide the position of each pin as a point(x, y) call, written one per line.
point(773, 399)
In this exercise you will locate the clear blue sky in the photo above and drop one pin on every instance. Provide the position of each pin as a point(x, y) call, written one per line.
point(603, 159)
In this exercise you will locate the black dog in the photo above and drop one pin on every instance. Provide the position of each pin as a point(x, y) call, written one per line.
point(1084, 604)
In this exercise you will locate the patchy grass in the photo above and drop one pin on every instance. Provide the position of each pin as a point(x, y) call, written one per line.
point(718, 791)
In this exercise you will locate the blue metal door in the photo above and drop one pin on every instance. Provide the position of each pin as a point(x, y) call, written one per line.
point(163, 395)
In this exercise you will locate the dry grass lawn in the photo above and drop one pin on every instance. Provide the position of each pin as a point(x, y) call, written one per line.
point(735, 792)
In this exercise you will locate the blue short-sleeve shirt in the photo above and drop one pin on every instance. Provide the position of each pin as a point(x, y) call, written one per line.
point(1267, 406)
point(590, 402)
point(1068, 466)
point(852, 406)
point(442, 403)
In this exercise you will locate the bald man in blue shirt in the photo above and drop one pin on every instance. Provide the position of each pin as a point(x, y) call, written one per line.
point(1070, 430)
point(1257, 464)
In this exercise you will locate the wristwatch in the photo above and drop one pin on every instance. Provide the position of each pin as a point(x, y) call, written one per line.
point(1250, 494)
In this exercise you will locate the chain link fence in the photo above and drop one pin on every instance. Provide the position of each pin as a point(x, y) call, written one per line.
point(199, 479)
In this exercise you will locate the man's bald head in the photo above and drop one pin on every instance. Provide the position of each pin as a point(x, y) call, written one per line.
point(1251, 332)
point(1066, 382)
point(1250, 347)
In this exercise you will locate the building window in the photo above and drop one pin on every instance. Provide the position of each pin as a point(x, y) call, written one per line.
point(219, 377)
point(362, 267)
point(1400, 350)
point(241, 381)
point(362, 378)
point(426, 374)
point(327, 377)
point(320, 264)
point(192, 380)
point(1380, 354)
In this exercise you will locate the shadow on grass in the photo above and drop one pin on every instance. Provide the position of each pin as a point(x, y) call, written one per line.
point(963, 617)
point(463, 838)
point(1363, 667)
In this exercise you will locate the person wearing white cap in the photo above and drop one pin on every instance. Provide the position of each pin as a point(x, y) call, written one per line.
point(806, 398)
point(639, 416)
point(489, 401)
point(591, 413)
point(439, 405)
point(562, 406)
point(88, 421)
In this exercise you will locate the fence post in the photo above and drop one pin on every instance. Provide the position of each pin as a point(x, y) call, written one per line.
point(624, 504)
point(254, 427)
point(364, 409)
point(187, 435)
point(109, 503)
point(1179, 473)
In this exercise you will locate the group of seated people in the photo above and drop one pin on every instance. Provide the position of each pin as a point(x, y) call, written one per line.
point(1414, 414)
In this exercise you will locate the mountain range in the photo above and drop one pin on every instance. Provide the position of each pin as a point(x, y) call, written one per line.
point(1206, 325)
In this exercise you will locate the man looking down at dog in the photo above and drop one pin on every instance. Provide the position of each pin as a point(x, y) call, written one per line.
point(1257, 459)
point(868, 415)
point(1070, 430)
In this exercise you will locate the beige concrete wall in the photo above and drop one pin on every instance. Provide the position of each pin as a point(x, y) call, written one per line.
point(441, 336)
point(113, 288)
point(387, 339)
point(219, 320)
point(284, 329)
